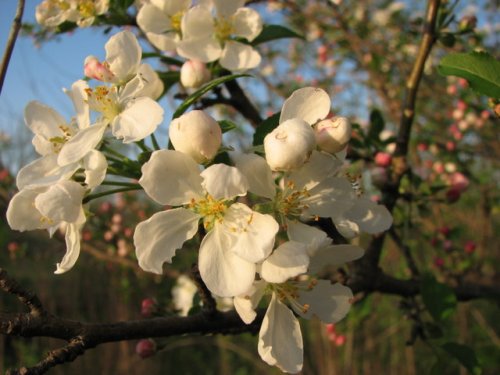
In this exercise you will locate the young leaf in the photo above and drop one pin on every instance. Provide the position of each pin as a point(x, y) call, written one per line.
point(465, 355)
point(273, 32)
point(226, 125)
point(438, 298)
point(203, 90)
point(480, 69)
point(265, 128)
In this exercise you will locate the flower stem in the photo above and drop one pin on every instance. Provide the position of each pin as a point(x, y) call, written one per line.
point(90, 197)
point(155, 142)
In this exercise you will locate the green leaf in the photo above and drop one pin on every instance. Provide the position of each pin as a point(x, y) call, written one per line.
point(377, 124)
point(265, 128)
point(273, 32)
point(226, 125)
point(465, 355)
point(438, 298)
point(480, 69)
point(203, 90)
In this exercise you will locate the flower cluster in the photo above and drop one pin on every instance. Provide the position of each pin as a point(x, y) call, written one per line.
point(51, 13)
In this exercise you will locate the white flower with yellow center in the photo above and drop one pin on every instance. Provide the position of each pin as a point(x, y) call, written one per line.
point(237, 238)
point(51, 13)
point(206, 37)
point(161, 21)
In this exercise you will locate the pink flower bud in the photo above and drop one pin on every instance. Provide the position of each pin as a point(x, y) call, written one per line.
point(453, 195)
point(445, 231)
point(340, 340)
point(194, 73)
point(289, 145)
point(332, 135)
point(330, 328)
point(438, 262)
point(470, 247)
point(145, 348)
point(148, 307)
point(197, 135)
point(450, 146)
point(13, 246)
point(447, 245)
point(93, 68)
point(438, 167)
point(458, 181)
point(383, 159)
point(422, 147)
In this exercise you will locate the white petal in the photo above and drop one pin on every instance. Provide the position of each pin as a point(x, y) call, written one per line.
point(319, 167)
point(313, 237)
point(140, 118)
point(172, 7)
point(332, 196)
point(78, 146)
point(22, 214)
point(334, 255)
point(330, 303)
point(204, 49)
point(61, 202)
point(224, 273)
point(157, 238)
point(226, 8)
point(288, 260)
point(197, 23)
point(171, 177)
point(257, 172)
point(309, 104)
point(44, 171)
point(164, 42)
point(95, 166)
point(280, 339)
point(123, 54)
point(151, 20)
point(252, 233)
point(79, 98)
point(238, 57)
point(371, 217)
point(247, 23)
point(223, 181)
point(246, 303)
point(72, 237)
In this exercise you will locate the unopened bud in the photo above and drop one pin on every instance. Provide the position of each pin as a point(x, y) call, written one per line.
point(289, 146)
point(194, 73)
point(197, 135)
point(149, 306)
point(332, 135)
point(383, 159)
point(467, 23)
point(145, 348)
point(93, 68)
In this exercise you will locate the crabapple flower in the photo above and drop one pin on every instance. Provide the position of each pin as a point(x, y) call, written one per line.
point(208, 37)
point(194, 73)
point(289, 146)
point(49, 208)
point(197, 135)
point(237, 238)
point(332, 135)
point(161, 22)
point(50, 13)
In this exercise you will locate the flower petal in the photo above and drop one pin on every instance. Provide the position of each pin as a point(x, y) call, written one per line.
point(226, 8)
point(157, 238)
point(257, 172)
point(332, 196)
point(288, 260)
point(22, 214)
point(140, 118)
point(151, 20)
point(61, 202)
point(79, 97)
point(309, 104)
point(171, 177)
point(224, 273)
point(95, 166)
point(334, 255)
point(223, 181)
point(44, 171)
point(123, 54)
point(197, 23)
point(252, 233)
point(246, 303)
point(77, 147)
point(172, 7)
point(72, 237)
point(371, 217)
point(330, 303)
point(204, 49)
point(319, 167)
point(238, 56)
point(313, 237)
point(280, 339)
point(247, 23)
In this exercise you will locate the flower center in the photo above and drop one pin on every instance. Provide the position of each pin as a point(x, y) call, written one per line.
point(290, 292)
point(61, 4)
point(176, 20)
point(288, 202)
point(104, 100)
point(223, 29)
point(211, 209)
point(86, 8)
point(59, 141)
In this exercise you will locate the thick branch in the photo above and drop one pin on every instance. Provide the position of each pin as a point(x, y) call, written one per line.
point(28, 298)
point(242, 104)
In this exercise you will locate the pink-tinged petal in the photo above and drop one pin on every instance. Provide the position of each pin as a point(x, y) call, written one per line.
point(288, 260)
point(171, 177)
point(204, 49)
point(226, 8)
point(22, 214)
point(247, 23)
point(72, 238)
point(61, 202)
point(224, 273)
point(239, 57)
point(257, 172)
point(223, 181)
point(140, 118)
point(313, 237)
point(371, 217)
point(123, 54)
point(95, 166)
point(330, 303)
point(43, 172)
point(309, 104)
point(319, 167)
point(246, 303)
point(77, 147)
point(252, 233)
point(197, 23)
point(334, 255)
point(280, 339)
point(157, 238)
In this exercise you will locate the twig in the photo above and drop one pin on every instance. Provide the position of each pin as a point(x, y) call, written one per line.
point(11, 41)
point(209, 303)
point(28, 298)
point(406, 252)
point(242, 104)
